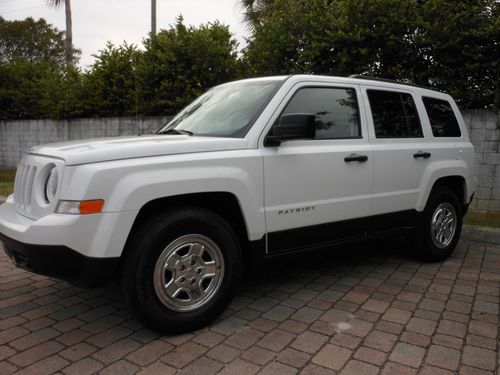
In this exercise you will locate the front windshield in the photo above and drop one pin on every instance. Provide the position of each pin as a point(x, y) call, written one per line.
point(227, 111)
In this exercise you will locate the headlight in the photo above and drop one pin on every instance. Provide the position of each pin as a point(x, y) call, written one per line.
point(51, 185)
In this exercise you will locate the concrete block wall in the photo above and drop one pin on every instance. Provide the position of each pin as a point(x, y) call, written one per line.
point(16, 137)
point(484, 131)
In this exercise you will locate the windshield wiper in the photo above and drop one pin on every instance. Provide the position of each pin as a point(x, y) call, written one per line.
point(175, 131)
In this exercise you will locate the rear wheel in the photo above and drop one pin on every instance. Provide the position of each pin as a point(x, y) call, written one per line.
point(181, 269)
point(439, 230)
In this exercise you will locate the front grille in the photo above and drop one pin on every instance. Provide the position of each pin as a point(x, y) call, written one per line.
point(23, 186)
point(32, 173)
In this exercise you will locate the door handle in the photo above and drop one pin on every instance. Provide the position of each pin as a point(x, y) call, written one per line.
point(421, 154)
point(356, 157)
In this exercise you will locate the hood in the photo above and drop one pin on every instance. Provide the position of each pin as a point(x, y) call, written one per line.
point(116, 148)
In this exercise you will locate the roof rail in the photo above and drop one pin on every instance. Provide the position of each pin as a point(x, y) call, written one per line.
point(360, 76)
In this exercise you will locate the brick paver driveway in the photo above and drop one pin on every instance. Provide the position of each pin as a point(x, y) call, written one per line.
point(361, 311)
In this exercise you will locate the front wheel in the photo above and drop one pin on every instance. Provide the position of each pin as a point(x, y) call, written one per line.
point(439, 230)
point(181, 269)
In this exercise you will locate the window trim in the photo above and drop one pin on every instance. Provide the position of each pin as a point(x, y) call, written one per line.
point(360, 136)
point(430, 122)
point(367, 89)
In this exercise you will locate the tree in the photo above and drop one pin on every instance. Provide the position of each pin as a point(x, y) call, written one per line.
point(256, 11)
point(110, 86)
point(448, 45)
point(34, 41)
point(69, 29)
point(180, 63)
point(34, 81)
point(176, 66)
point(23, 85)
point(459, 43)
point(332, 37)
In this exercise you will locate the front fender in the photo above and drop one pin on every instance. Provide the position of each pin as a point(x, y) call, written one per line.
point(128, 185)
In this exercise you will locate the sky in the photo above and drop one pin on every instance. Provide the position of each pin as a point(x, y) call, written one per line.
point(97, 21)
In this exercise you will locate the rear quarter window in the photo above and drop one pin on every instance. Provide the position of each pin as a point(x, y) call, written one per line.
point(442, 118)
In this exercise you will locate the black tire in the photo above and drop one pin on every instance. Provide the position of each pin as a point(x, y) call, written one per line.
point(144, 249)
point(424, 246)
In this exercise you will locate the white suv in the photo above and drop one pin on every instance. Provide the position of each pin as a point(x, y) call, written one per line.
point(256, 168)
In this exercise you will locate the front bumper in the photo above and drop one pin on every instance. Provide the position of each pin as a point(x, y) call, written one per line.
point(82, 249)
point(61, 262)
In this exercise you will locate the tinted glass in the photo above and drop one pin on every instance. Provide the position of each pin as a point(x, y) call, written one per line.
point(335, 111)
point(394, 115)
point(443, 120)
point(226, 111)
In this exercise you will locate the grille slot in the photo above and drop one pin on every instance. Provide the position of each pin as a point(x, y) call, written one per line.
point(17, 183)
point(23, 186)
point(29, 186)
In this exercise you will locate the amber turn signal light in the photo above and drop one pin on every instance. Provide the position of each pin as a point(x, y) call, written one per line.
point(80, 207)
point(91, 207)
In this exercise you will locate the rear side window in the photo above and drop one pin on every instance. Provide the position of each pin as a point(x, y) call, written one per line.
point(335, 111)
point(394, 115)
point(442, 118)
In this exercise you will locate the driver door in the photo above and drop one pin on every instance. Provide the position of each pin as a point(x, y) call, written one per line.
point(318, 191)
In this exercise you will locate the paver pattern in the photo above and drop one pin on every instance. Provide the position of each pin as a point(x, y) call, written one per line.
point(364, 310)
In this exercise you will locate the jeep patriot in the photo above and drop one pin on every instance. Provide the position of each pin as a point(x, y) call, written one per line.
point(257, 168)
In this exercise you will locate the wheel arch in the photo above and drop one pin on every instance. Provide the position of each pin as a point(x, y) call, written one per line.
point(452, 173)
point(457, 183)
point(225, 204)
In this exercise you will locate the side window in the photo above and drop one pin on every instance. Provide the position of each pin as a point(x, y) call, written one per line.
point(394, 115)
point(335, 110)
point(443, 120)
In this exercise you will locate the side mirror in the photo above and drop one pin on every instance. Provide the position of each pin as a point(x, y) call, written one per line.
point(292, 126)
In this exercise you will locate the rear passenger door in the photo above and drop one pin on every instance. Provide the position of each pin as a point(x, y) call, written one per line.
point(400, 154)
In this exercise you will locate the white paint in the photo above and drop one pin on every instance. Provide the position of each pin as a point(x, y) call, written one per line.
point(129, 172)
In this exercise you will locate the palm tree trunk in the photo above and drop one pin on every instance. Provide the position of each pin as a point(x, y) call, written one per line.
point(69, 34)
point(153, 17)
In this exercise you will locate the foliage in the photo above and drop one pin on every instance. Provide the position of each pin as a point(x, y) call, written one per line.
point(176, 66)
point(34, 41)
point(448, 45)
point(22, 88)
point(460, 44)
point(256, 11)
point(7, 177)
point(110, 86)
point(334, 37)
point(180, 63)
point(65, 95)
point(34, 80)
point(481, 223)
